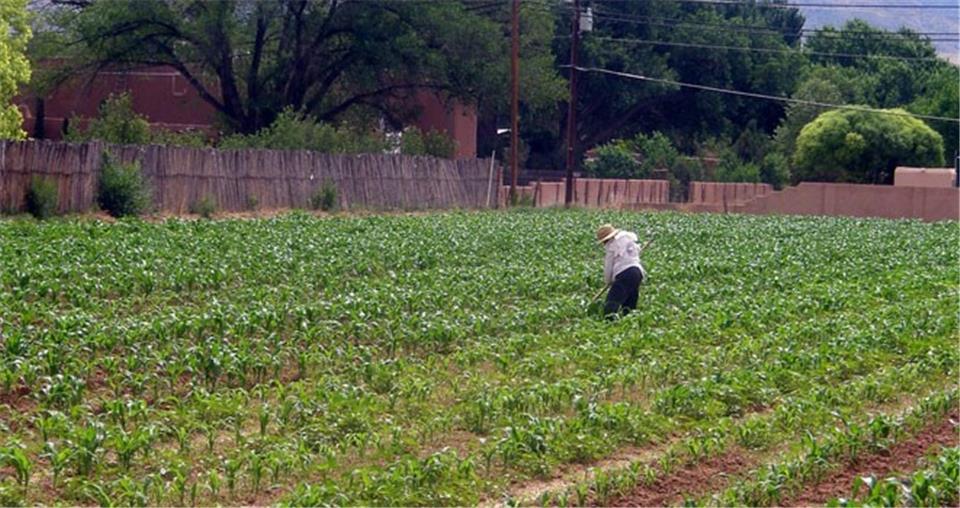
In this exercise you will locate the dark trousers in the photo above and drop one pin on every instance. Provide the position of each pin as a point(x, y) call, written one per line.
point(622, 297)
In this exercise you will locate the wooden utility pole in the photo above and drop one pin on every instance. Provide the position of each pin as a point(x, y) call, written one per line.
point(515, 105)
point(572, 108)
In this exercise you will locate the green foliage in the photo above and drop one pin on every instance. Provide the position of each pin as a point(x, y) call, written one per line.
point(42, 198)
point(937, 485)
point(116, 122)
point(433, 143)
point(856, 146)
point(941, 97)
point(200, 362)
point(253, 203)
point(775, 170)
point(204, 207)
point(331, 60)
point(295, 131)
point(121, 190)
point(190, 138)
point(14, 65)
point(814, 88)
point(325, 198)
point(736, 171)
point(614, 160)
point(880, 82)
point(617, 107)
point(656, 152)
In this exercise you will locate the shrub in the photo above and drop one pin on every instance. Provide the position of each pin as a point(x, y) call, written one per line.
point(613, 160)
point(121, 191)
point(252, 203)
point(432, 142)
point(204, 207)
point(735, 170)
point(42, 198)
point(191, 138)
point(116, 122)
point(775, 170)
point(325, 198)
point(294, 131)
point(864, 147)
point(657, 152)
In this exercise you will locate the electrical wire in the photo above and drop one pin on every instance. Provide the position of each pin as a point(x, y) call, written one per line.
point(758, 95)
point(826, 33)
point(817, 5)
point(762, 50)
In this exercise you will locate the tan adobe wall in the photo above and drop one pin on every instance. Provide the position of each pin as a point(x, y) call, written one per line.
point(924, 177)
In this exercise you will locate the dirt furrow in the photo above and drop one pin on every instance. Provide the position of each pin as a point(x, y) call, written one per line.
point(902, 457)
point(691, 480)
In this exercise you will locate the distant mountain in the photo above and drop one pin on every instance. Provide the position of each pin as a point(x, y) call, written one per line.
point(920, 20)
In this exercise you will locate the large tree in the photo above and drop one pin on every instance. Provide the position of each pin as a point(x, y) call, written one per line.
point(250, 59)
point(861, 64)
point(893, 67)
point(686, 42)
point(941, 97)
point(14, 66)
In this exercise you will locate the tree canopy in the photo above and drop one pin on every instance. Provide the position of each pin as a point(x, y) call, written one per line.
point(14, 66)
point(327, 58)
point(683, 42)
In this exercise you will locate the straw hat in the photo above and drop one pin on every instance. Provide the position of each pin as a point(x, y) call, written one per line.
point(606, 232)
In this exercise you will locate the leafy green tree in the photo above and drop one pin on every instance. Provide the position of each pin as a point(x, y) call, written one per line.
point(14, 66)
point(941, 97)
point(326, 58)
point(872, 77)
point(541, 88)
point(864, 147)
point(814, 88)
point(611, 106)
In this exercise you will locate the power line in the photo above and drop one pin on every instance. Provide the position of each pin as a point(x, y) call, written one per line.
point(826, 33)
point(829, 33)
point(817, 5)
point(760, 95)
point(764, 50)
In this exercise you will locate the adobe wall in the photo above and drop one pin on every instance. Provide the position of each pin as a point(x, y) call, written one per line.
point(808, 198)
point(924, 177)
point(855, 200)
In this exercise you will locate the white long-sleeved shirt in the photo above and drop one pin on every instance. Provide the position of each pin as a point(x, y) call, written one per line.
point(622, 253)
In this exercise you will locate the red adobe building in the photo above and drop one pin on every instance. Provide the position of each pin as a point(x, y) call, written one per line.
point(165, 98)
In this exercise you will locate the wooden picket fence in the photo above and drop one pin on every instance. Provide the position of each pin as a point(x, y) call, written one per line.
point(235, 179)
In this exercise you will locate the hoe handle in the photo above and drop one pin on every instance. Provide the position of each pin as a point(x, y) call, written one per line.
point(604, 288)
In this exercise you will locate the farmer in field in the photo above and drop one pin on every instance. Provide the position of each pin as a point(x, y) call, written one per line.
point(622, 271)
